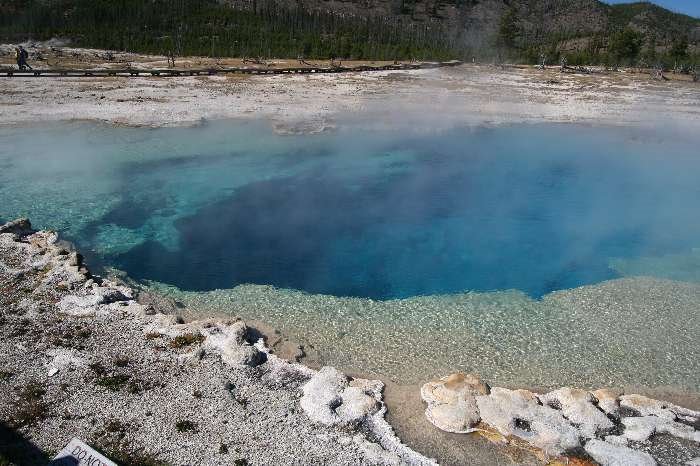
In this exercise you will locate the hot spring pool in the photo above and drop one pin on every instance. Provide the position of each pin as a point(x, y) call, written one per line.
point(394, 242)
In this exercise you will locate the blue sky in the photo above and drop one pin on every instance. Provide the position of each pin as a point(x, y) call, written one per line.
point(689, 7)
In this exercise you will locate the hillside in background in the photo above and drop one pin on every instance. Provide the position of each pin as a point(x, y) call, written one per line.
point(585, 31)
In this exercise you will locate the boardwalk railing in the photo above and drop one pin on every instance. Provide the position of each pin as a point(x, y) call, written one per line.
point(134, 72)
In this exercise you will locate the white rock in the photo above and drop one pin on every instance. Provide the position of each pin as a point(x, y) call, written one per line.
point(517, 413)
point(368, 386)
point(577, 406)
point(378, 455)
point(71, 304)
point(229, 340)
point(91, 304)
point(650, 407)
point(619, 440)
point(107, 295)
point(608, 400)
point(451, 403)
point(222, 336)
point(128, 307)
point(641, 428)
point(245, 355)
point(356, 404)
point(160, 323)
point(458, 417)
point(322, 396)
point(62, 358)
point(453, 387)
point(52, 371)
point(608, 454)
point(330, 399)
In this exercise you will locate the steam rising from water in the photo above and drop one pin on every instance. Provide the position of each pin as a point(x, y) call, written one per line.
point(384, 214)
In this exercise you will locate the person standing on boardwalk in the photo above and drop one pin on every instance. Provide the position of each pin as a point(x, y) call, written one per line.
point(21, 54)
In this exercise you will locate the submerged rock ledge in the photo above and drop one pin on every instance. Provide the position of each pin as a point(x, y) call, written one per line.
point(83, 357)
point(599, 427)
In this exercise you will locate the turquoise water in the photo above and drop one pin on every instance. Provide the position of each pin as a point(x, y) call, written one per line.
point(383, 215)
point(469, 242)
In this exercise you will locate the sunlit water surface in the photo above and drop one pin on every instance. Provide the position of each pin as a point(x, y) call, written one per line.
point(411, 253)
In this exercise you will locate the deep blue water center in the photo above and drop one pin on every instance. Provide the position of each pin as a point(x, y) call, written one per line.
point(359, 213)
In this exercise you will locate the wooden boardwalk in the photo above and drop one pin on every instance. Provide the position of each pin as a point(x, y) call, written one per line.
point(174, 72)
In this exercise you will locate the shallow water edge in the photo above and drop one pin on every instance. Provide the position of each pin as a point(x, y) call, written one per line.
point(607, 334)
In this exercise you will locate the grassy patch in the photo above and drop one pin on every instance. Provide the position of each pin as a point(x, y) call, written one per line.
point(115, 426)
point(186, 426)
point(33, 391)
point(30, 407)
point(98, 368)
point(113, 382)
point(116, 382)
point(187, 339)
point(135, 458)
point(71, 338)
point(116, 443)
point(83, 332)
point(124, 454)
point(137, 386)
point(122, 361)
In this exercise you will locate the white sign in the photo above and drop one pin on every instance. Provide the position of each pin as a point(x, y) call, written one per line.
point(77, 453)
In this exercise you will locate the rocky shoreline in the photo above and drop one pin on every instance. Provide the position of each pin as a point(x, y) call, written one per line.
point(88, 357)
point(82, 357)
point(602, 426)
